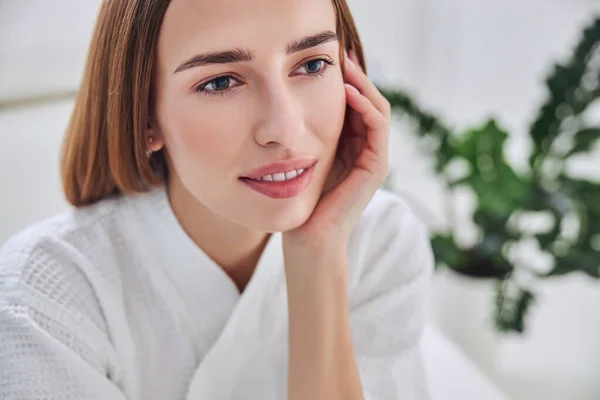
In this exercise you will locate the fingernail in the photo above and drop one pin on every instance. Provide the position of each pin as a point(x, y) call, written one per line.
point(352, 88)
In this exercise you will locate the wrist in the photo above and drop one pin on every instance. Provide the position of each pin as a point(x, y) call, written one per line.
point(315, 266)
point(315, 246)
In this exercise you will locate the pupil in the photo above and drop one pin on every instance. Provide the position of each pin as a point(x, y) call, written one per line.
point(313, 66)
point(221, 83)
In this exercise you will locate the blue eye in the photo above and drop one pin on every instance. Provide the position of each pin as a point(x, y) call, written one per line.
point(314, 66)
point(222, 85)
point(317, 66)
point(217, 86)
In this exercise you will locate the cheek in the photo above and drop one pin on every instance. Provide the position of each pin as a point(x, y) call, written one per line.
point(326, 111)
point(202, 136)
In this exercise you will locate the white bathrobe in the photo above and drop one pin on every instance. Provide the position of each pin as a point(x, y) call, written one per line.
point(114, 301)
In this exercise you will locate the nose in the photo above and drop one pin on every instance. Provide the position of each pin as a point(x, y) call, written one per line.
point(281, 121)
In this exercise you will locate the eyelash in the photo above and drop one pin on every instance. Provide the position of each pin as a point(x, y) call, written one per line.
point(201, 88)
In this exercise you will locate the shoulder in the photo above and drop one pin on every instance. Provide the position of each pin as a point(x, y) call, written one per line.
point(58, 231)
point(388, 220)
point(51, 275)
point(389, 244)
point(43, 264)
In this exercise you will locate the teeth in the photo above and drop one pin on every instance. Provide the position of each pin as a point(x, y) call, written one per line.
point(279, 177)
point(282, 176)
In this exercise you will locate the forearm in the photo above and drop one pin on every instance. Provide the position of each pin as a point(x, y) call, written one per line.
point(322, 363)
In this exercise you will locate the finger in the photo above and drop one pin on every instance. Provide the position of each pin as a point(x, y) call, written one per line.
point(377, 124)
point(357, 78)
point(354, 57)
point(367, 110)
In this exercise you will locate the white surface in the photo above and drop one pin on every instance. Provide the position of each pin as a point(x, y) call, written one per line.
point(559, 357)
point(454, 375)
point(463, 308)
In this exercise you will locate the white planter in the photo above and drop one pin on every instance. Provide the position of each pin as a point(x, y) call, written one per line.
point(463, 308)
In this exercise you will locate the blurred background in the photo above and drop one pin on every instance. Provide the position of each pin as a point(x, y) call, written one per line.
point(495, 144)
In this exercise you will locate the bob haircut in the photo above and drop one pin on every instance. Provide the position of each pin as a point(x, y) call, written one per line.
point(103, 151)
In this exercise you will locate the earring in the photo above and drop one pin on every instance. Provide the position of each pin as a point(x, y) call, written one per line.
point(150, 141)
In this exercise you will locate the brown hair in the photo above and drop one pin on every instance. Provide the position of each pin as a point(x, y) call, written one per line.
point(104, 149)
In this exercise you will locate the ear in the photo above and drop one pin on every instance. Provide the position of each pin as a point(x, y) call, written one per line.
point(153, 137)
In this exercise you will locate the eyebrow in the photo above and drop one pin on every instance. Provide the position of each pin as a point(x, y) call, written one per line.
point(240, 55)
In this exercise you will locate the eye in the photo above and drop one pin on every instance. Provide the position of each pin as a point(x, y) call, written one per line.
point(218, 86)
point(316, 67)
point(224, 84)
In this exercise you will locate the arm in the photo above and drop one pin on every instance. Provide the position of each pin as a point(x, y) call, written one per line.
point(51, 346)
point(41, 359)
point(367, 346)
point(322, 361)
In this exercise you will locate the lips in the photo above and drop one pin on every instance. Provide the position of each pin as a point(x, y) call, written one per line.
point(280, 167)
point(285, 189)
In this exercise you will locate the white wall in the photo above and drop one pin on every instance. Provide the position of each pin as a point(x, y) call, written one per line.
point(42, 46)
point(42, 50)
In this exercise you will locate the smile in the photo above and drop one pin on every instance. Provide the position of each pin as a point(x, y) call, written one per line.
point(282, 176)
point(282, 185)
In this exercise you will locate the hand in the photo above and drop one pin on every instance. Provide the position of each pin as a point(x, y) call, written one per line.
point(360, 166)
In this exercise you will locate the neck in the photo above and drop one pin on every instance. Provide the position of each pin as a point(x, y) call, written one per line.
point(233, 247)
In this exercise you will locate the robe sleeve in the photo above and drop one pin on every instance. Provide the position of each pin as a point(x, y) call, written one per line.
point(388, 307)
point(52, 345)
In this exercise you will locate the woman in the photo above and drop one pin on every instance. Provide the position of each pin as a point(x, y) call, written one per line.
point(229, 240)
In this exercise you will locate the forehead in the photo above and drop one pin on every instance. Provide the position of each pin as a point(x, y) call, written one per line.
point(191, 26)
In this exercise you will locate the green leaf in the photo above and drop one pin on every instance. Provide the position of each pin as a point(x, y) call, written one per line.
point(485, 260)
point(559, 205)
point(498, 188)
point(565, 80)
point(512, 305)
point(577, 261)
point(584, 140)
point(446, 251)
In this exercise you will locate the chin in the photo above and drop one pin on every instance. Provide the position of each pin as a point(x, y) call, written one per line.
point(283, 218)
point(285, 224)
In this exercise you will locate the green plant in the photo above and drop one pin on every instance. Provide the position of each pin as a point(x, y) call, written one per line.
point(560, 133)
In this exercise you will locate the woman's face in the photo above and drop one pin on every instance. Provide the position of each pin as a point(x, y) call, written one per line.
point(266, 100)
